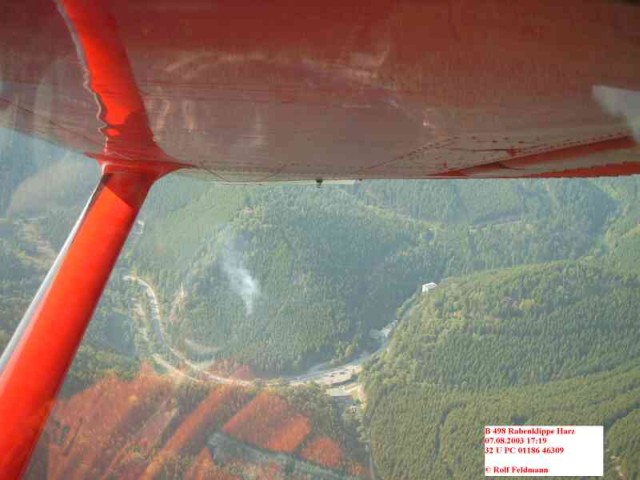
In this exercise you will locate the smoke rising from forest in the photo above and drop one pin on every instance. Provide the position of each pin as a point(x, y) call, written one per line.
point(240, 279)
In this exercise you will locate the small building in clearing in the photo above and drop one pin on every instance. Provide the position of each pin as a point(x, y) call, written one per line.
point(428, 286)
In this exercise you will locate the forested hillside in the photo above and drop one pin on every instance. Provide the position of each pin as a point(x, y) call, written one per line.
point(523, 325)
point(324, 266)
point(283, 277)
point(548, 344)
point(426, 431)
point(534, 320)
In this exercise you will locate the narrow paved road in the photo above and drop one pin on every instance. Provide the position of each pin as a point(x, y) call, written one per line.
point(159, 328)
point(325, 376)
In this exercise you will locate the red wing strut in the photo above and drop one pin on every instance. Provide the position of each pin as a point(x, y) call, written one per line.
point(37, 359)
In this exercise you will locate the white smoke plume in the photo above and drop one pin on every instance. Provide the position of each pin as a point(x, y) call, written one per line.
point(240, 279)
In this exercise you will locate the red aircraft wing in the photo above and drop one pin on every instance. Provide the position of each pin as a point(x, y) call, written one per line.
point(296, 91)
point(272, 91)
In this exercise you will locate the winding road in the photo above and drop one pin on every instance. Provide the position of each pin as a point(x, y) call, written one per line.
point(327, 376)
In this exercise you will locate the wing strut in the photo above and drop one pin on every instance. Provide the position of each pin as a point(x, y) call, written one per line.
point(35, 362)
point(41, 350)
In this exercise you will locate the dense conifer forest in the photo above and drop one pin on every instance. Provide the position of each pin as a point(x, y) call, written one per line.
point(535, 319)
point(540, 345)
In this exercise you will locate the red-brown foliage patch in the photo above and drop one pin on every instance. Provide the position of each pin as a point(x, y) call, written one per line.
point(323, 451)
point(243, 372)
point(290, 434)
point(268, 421)
point(356, 469)
point(192, 433)
point(203, 468)
point(91, 427)
point(231, 368)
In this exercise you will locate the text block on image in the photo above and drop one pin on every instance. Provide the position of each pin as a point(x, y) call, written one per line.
point(543, 451)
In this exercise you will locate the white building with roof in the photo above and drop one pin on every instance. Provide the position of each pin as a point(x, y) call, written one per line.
point(428, 286)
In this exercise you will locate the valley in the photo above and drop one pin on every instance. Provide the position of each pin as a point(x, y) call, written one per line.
point(267, 302)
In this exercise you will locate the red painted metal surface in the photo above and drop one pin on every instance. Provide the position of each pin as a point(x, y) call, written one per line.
point(280, 90)
point(283, 91)
point(110, 78)
point(560, 162)
point(35, 363)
